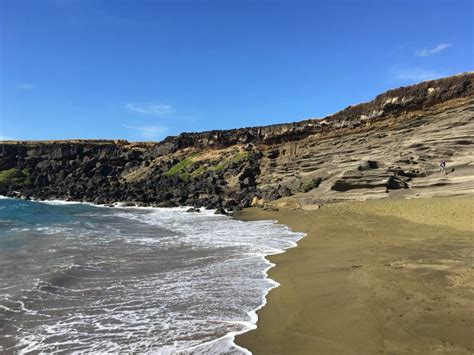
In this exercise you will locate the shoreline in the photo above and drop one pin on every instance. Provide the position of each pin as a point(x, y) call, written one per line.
point(390, 276)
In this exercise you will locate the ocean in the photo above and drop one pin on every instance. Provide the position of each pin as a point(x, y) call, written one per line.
point(81, 278)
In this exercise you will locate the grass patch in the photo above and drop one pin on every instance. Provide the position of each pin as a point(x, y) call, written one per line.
point(219, 167)
point(240, 156)
point(199, 171)
point(180, 168)
point(184, 176)
point(309, 185)
point(14, 177)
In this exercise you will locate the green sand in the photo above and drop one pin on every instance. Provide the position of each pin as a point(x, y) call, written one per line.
point(390, 276)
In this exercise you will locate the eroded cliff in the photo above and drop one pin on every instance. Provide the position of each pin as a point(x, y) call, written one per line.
point(390, 145)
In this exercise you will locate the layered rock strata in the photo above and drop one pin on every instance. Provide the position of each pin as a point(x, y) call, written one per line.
point(390, 145)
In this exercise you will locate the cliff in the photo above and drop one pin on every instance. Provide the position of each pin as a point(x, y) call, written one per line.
point(390, 145)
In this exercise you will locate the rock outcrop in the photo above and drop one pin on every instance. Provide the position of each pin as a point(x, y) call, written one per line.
point(390, 145)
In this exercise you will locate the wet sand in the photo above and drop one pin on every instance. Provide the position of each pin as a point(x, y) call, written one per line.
point(390, 276)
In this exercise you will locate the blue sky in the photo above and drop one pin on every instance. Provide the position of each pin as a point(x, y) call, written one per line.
point(143, 70)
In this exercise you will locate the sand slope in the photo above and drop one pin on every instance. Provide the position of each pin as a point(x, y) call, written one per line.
point(372, 277)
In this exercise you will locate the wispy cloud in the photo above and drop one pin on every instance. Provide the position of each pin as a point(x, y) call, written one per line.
point(415, 74)
point(150, 108)
point(427, 52)
point(149, 132)
point(25, 86)
point(6, 138)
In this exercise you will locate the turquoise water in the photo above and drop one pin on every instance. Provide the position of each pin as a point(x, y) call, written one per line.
point(76, 277)
point(18, 215)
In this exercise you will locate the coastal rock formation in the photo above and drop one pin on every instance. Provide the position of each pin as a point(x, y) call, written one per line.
point(390, 145)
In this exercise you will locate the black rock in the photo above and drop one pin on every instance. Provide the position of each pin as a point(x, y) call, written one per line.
point(273, 154)
point(284, 191)
point(167, 204)
point(195, 210)
point(367, 165)
point(220, 210)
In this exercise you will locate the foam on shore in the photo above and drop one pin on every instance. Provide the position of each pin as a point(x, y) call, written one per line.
point(133, 279)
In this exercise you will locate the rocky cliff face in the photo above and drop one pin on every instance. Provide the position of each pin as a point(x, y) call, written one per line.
point(391, 144)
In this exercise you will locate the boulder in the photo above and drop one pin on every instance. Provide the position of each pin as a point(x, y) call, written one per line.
point(167, 204)
point(193, 210)
point(272, 154)
point(220, 210)
point(284, 191)
point(367, 165)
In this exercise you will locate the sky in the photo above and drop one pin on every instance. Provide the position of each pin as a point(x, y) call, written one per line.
point(143, 70)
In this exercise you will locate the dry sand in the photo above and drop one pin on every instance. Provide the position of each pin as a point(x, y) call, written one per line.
point(393, 276)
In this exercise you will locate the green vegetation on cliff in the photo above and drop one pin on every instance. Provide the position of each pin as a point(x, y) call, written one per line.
point(181, 167)
point(14, 177)
point(189, 167)
point(239, 157)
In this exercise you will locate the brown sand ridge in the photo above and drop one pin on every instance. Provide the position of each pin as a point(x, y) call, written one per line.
point(385, 276)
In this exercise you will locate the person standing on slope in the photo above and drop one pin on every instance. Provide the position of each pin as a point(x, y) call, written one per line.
point(442, 167)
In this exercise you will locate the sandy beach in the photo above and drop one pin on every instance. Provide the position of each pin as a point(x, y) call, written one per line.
point(387, 276)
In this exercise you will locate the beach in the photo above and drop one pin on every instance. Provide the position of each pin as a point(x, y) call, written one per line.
point(387, 276)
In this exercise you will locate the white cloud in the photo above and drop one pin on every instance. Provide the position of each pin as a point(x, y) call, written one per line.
point(153, 109)
point(427, 52)
point(416, 74)
point(6, 138)
point(25, 86)
point(149, 132)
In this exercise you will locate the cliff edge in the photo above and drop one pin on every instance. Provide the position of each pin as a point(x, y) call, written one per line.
point(389, 146)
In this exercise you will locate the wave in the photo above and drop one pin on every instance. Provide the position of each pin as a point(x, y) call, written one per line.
point(138, 280)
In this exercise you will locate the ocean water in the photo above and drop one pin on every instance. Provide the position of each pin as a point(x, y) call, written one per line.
point(82, 278)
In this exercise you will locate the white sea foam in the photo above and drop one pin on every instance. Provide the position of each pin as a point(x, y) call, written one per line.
point(226, 343)
point(58, 202)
